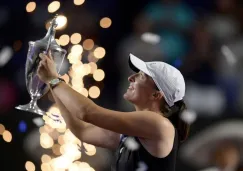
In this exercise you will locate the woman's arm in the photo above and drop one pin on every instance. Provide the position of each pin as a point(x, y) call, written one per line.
point(87, 132)
point(145, 124)
point(70, 120)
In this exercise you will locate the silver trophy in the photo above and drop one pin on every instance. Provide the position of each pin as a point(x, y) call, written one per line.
point(35, 86)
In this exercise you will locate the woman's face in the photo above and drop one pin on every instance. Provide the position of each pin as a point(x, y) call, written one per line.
point(141, 89)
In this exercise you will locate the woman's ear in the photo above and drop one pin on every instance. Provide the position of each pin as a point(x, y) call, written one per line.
point(157, 95)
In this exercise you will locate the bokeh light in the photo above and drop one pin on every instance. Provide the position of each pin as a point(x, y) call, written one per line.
point(78, 2)
point(56, 149)
point(22, 126)
point(69, 137)
point(29, 166)
point(64, 40)
point(98, 75)
point(30, 7)
point(87, 69)
point(46, 141)
point(2, 129)
point(62, 128)
point(94, 92)
point(61, 21)
point(105, 22)
point(76, 38)
point(78, 155)
point(77, 50)
point(54, 6)
point(48, 128)
point(54, 135)
point(45, 158)
point(99, 52)
point(71, 150)
point(91, 150)
point(91, 57)
point(74, 58)
point(7, 136)
point(84, 92)
point(77, 67)
point(88, 44)
point(61, 140)
point(58, 42)
point(61, 162)
point(41, 129)
point(93, 67)
point(83, 165)
point(77, 72)
point(45, 167)
point(74, 167)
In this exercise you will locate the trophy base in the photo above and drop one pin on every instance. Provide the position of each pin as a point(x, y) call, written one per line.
point(31, 108)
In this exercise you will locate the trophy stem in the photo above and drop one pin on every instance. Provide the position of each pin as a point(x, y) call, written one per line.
point(33, 102)
point(31, 107)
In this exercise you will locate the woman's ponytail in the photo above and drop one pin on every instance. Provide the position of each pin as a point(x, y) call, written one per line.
point(174, 116)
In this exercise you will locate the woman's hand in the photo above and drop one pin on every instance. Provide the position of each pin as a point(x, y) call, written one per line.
point(47, 68)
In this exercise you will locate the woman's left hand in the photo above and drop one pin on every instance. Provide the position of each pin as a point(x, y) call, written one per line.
point(47, 68)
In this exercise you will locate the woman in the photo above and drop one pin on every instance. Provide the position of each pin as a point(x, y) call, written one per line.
point(156, 90)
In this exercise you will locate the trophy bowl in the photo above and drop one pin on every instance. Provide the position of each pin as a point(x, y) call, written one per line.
point(36, 88)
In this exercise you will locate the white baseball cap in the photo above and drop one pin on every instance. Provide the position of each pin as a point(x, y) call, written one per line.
point(167, 78)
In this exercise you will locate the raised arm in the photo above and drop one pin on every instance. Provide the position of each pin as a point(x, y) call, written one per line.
point(87, 132)
point(143, 124)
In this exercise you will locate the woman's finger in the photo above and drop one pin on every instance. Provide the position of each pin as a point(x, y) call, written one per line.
point(50, 55)
point(42, 56)
point(47, 58)
point(44, 64)
point(38, 69)
point(43, 60)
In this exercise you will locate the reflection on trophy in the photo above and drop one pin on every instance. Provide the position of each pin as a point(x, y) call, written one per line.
point(35, 86)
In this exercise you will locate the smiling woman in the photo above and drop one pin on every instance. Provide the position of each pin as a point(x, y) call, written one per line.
point(155, 86)
point(141, 86)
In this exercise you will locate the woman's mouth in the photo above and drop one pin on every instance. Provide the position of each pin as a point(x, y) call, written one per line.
point(130, 88)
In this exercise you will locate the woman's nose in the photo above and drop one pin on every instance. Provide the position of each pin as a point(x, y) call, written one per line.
point(131, 78)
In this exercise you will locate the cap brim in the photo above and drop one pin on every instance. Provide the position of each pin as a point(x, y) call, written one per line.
point(206, 142)
point(137, 64)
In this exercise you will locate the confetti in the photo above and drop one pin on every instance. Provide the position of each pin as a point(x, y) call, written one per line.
point(54, 121)
point(150, 38)
point(229, 55)
point(5, 55)
point(55, 115)
point(38, 121)
point(142, 166)
point(188, 116)
point(131, 144)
